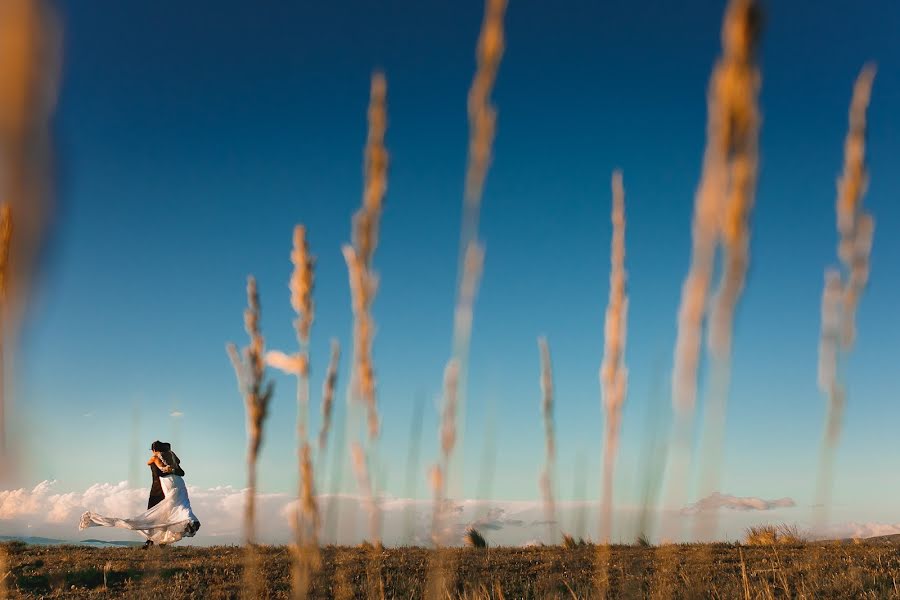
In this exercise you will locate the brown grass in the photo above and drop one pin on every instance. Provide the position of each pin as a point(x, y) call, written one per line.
point(810, 570)
point(686, 571)
point(762, 535)
point(474, 539)
point(250, 369)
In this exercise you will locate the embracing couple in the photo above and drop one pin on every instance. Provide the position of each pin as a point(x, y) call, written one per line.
point(168, 517)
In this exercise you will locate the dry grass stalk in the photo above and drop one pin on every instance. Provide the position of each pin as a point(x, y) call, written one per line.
point(482, 114)
point(613, 373)
point(301, 285)
point(308, 559)
point(328, 389)
point(440, 471)
point(721, 208)
point(29, 70)
point(854, 225)
point(602, 557)
point(546, 478)
point(29, 74)
point(363, 287)
point(738, 83)
point(364, 483)
point(829, 341)
point(5, 236)
point(250, 369)
point(724, 195)
point(363, 281)
point(482, 128)
point(840, 298)
point(768, 535)
point(474, 539)
point(473, 264)
point(6, 227)
point(306, 517)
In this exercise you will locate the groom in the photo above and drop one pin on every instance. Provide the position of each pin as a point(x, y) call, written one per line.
point(156, 493)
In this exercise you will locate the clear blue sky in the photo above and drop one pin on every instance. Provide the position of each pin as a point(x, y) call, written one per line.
point(192, 137)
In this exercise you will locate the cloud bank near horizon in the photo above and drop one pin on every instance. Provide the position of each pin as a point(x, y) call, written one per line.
point(716, 500)
point(46, 511)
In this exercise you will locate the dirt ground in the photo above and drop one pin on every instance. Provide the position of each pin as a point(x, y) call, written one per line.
point(673, 571)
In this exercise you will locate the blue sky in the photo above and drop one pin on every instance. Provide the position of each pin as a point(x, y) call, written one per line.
point(191, 139)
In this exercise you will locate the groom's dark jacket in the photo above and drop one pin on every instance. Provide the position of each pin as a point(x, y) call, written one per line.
point(156, 493)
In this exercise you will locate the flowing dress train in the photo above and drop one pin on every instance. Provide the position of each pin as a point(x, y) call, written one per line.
point(167, 522)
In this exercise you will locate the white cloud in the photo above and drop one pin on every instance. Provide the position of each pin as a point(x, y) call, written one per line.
point(715, 501)
point(853, 529)
point(176, 413)
point(48, 510)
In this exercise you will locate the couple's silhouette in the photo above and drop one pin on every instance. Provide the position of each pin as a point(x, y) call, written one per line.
point(168, 517)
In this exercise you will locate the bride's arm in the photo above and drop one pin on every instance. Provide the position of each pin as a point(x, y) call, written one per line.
point(162, 466)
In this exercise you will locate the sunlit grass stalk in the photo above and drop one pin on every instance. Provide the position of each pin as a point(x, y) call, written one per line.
point(29, 75)
point(328, 388)
point(722, 203)
point(308, 560)
point(306, 517)
point(482, 128)
point(613, 373)
point(840, 298)
point(6, 228)
point(363, 280)
point(738, 84)
point(5, 234)
point(724, 195)
point(364, 483)
point(547, 475)
point(250, 369)
point(855, 226)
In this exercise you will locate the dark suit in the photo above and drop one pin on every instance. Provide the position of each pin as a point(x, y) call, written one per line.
point(156, 493)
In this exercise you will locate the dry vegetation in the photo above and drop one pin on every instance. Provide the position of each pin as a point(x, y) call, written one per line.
point(685, 571)
point(774, 561)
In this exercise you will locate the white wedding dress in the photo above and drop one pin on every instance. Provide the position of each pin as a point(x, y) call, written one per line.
point(167, 522)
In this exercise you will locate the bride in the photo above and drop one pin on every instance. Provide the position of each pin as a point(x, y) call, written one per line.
point(168, 521)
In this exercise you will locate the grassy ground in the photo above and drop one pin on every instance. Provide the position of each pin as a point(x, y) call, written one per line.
point(689, 571)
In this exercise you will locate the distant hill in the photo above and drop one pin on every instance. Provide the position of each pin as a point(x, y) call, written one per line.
point(881, 540)
point(42, 541)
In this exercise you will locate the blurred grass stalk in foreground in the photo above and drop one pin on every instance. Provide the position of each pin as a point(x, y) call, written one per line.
point(29, 73)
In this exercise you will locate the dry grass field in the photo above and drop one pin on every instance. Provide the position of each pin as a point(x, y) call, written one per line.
point(676, 571)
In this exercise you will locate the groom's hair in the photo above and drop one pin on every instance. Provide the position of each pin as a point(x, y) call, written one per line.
point(159, 446)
